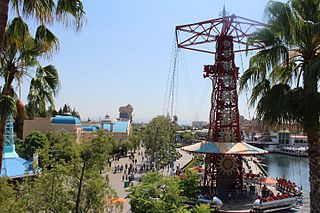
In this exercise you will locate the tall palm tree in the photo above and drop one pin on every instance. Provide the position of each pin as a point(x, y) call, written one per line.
point(43, 87)
point(18, 57)
point(285, 73)
point(70, 13)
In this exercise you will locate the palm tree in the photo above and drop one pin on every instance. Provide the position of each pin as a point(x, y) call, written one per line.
point(284, 75)
point(43, 87)
point(18, 57)
point(70, 13)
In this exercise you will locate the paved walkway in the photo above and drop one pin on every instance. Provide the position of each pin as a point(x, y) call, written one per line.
point(116, 178)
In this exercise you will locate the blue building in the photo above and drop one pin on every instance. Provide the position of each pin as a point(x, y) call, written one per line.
point(14, 166)
point(120, 130)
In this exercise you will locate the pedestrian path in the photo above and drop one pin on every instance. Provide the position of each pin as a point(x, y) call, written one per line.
point(115, 179)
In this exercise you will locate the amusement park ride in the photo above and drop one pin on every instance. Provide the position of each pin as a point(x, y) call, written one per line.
point(223, 149)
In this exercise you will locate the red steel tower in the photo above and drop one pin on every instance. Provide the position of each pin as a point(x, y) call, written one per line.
point(223, 147)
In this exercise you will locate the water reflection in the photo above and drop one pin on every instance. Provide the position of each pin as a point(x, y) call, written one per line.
point(295, 169)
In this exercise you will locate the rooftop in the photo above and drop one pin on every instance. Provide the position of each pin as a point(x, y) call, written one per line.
point(16, 167)
point(116, 126)
point(61, 119)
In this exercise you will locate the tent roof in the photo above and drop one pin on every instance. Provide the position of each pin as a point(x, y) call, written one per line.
point(207, 147)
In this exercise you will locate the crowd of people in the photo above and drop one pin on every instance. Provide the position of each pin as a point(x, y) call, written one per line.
point(129, 170)
point(288, 186)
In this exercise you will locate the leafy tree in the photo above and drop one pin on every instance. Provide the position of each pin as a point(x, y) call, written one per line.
point(190, 184)
point(33, 142)
point(102, 149)
point(158, 140)
point(156, 194)
point(134, 138)
point(202, 208)
point(66, 110)
point(18, 56)
point(52, 185)
point(62, 148)
point(284, 75)
point(73, 181)
point(187, 137)
point(8, 197)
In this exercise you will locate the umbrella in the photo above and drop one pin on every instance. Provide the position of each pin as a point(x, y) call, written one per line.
point(267, 180)
point(197, 169)
point(118, 200)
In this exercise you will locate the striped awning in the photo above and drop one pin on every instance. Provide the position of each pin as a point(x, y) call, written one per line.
point(207, 147)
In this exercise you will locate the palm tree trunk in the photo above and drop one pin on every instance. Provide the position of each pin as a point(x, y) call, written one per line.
point(2, 124)
point(314, 164)
point(3, 18)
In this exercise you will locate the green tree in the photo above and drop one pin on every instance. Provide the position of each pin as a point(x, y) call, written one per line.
point(158, 140)
point(202, 208)
point(70, 13)
point(188, 137)
point(134, 138)
point(73, 181)
point(284, 75)
point(102, 149)
point(156, 194)
point(33, 142)
point(8, 197)
point(18, 56)
point(62, 148)
point(190, 184)
point(43, 87)
point(53, 186)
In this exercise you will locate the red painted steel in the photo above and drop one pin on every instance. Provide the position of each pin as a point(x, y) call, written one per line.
point(229, 33)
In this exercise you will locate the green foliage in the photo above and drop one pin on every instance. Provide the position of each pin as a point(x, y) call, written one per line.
point(134, 138)
point(156, 194)
point(8, 197)
point(72, 182)
point(202, 208)
point(33, 142)
point(102, 149)
point(188, 136)
point(51, 185)
point(158, 138)
point(189, 184)
point(43, 87)
point(284, 74)
point(66, 110)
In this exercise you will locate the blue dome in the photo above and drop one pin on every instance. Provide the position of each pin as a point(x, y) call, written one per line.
point(60, 119)
point(89, 128)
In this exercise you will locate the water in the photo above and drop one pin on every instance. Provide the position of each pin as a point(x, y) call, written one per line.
point(295, 169)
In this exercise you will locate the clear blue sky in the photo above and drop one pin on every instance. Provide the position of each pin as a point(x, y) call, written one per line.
point(122, 56)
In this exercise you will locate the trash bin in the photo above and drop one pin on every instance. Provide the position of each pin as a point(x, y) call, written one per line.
point(126, 184)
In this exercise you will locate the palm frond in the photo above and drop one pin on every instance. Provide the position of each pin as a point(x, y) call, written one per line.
point(17, 33)
point(67, 10)
point(45, 40)
point(312, 73)
point(258, 91)
point(275, 105)
point(7, 106)
point(42, 10)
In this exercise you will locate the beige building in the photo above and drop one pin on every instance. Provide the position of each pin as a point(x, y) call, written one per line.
point(58, 123)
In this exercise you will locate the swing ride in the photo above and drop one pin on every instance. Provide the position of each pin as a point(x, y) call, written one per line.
point(226, 155)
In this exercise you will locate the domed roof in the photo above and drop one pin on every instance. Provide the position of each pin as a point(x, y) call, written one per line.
point(61, 119)
point(89, 128)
